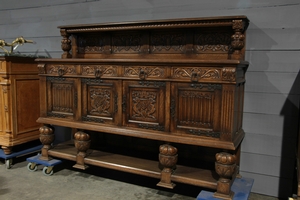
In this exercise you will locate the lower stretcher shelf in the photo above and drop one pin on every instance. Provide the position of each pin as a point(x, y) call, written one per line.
point(183, 174)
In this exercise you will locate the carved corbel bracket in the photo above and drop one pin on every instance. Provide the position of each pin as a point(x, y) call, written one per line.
point(41, 69)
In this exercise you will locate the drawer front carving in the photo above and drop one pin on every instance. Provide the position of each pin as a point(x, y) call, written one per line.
point(100, 101)
point(99, 71)
point(62, 97)
point(144, 105)
point(61, 70)
point(144, 72)
point(195, 109)
point(195, 73)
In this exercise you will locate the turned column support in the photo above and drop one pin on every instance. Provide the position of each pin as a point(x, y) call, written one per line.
point(46, 138)
point(168, 158)
point(65, 44)
point(82, 143)
point(238, 38)
point(225, 167)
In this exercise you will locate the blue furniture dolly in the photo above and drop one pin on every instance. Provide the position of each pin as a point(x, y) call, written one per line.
point(8, 157)
point(47, 170)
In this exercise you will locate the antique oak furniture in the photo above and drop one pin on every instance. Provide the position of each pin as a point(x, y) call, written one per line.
point(179, 82)
point(19, 101)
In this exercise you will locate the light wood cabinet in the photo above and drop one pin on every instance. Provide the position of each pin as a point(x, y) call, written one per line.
point(19, 101)
point(177, 82)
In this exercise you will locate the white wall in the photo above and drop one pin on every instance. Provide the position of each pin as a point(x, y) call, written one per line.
point(273, 50)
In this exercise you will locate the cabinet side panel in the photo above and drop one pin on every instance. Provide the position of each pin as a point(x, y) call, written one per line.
point(27, 104)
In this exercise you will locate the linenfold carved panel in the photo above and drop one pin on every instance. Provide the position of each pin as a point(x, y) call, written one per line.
point(62, 98)
point(198, 108)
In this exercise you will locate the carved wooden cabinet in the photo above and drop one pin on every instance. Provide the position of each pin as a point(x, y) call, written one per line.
point(178, 82)
point(19, 101)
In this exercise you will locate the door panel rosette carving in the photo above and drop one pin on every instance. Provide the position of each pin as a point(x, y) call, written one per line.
point(99, 70)
point(144, 105)
point(101, 101)
point(144, 72)
point(61, 70)
point(196, 73)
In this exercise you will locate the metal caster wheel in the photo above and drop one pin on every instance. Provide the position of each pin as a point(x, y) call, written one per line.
point(48, 171)
point(8, 163)
point(32, 167)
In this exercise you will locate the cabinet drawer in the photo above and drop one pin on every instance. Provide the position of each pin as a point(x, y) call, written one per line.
point(60, 70)
point(145, 72)
point(196, 74)
point(99, 71)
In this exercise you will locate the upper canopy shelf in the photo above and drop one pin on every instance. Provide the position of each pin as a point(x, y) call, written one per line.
point(214, 38)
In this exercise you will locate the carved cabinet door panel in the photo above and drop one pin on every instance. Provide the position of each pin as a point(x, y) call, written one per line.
point(101, 100)
point(144, 105)
point(62, 97)
point(196, 109)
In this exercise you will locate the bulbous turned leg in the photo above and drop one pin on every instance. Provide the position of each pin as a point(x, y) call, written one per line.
point(82, 143)
point(7, 150)
point(168, 158)
point(46, 138)
point(225, 166)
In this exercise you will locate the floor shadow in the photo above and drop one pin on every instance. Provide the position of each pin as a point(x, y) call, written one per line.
point(290, 112)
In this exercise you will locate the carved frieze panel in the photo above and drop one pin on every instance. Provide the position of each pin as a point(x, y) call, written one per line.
point(196, 74)
point(99, 70)
point(144, 72)
point(91, 44)
point(167, 42)
point(126, 43)
point(218, 42)
point(60, 70)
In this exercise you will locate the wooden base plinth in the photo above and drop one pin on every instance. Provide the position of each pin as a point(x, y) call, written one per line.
point(78, 166)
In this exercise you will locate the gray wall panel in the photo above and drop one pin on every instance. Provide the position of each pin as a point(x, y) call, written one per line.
point(273, 50)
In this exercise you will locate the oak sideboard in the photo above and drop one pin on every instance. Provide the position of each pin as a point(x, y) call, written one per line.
point(178, 83)
point(19, 101)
